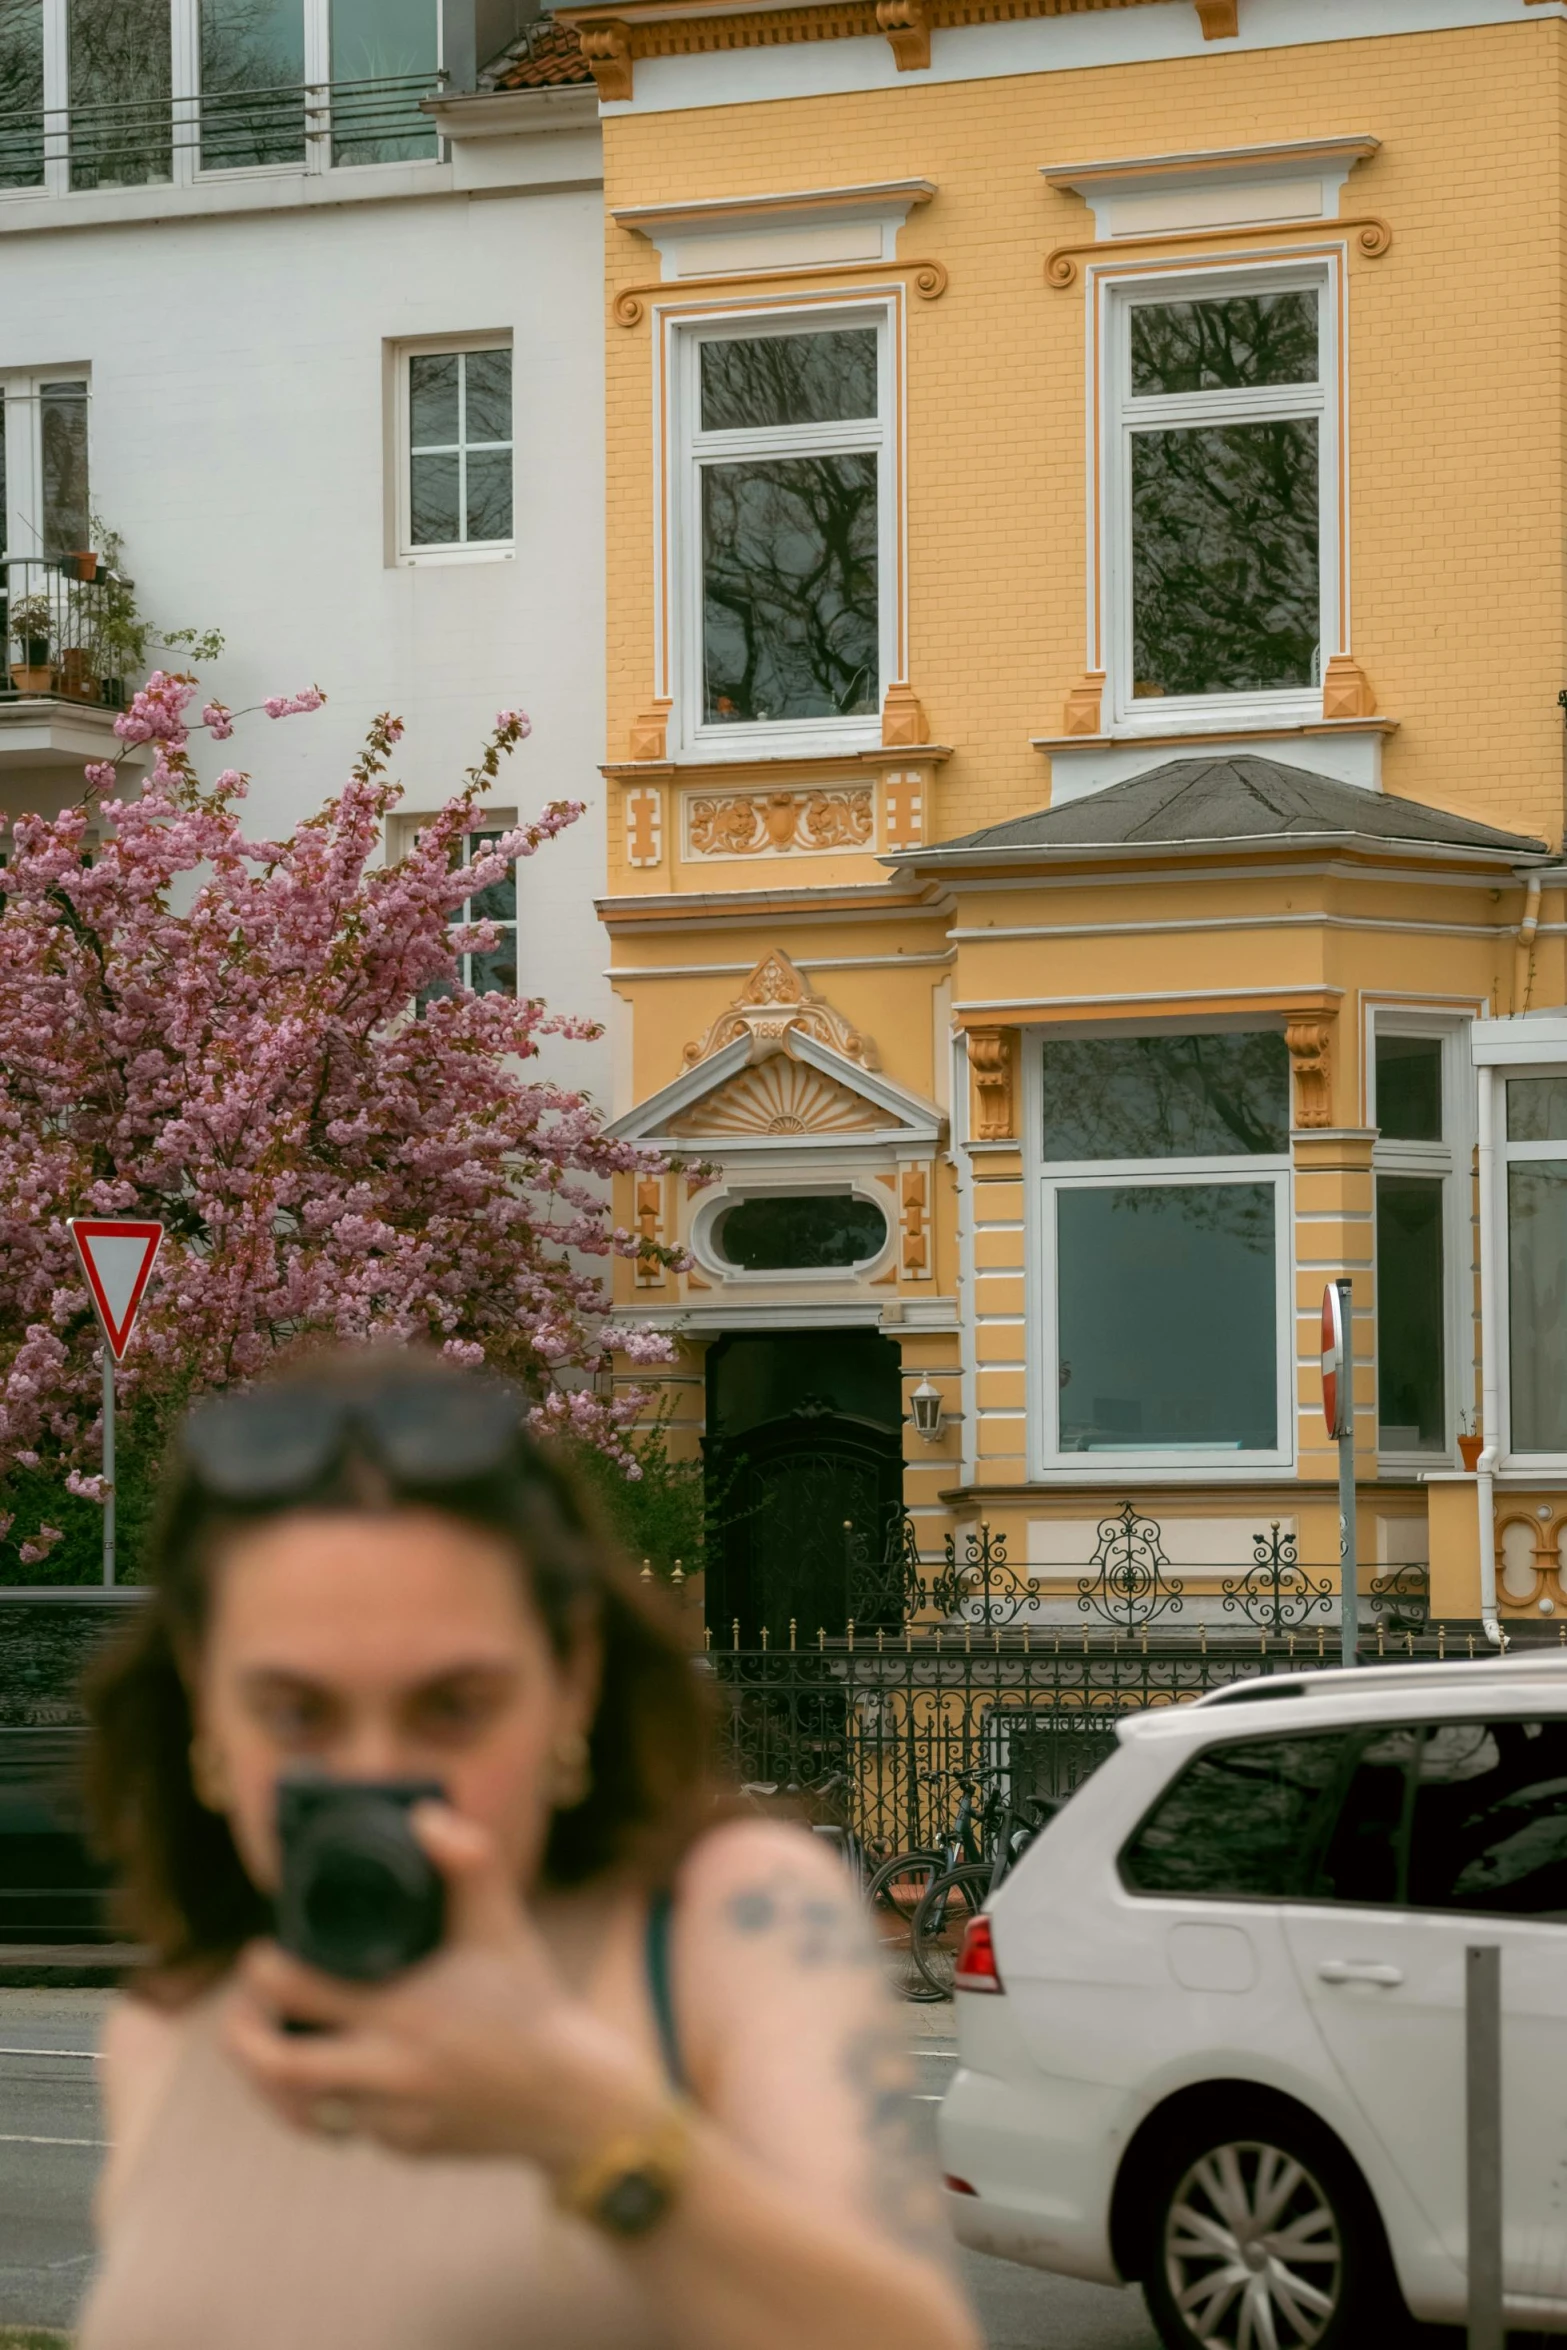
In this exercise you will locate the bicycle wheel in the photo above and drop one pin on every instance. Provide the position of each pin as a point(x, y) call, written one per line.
point(893, 1896)
point(936, 1935)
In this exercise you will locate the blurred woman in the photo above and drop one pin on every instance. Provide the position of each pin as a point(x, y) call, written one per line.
point(648, 2090)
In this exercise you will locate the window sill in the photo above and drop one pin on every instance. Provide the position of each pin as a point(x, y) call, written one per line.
point(758, 745)
point(1347, 749)
point(444, 558)
point(1215, 729)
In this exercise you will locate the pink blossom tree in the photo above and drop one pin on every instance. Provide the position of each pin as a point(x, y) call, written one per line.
point(222, 1033)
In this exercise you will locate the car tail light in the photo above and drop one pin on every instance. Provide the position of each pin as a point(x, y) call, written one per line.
point(977, 1969)
point(957, 2186)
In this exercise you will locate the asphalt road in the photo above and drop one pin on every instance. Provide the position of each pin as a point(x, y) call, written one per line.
point(51, 2144)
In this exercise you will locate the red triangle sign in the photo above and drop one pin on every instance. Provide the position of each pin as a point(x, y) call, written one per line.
point(117, 1258)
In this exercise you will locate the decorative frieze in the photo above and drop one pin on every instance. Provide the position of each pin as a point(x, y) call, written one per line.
point(775, 999)
point(812, 822)
point(644, 806)
point(778, 1096)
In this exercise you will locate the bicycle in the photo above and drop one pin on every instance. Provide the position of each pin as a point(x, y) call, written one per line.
point(898, 1888)
point(960, 1892)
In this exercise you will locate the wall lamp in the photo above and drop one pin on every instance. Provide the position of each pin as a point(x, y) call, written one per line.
point(925, 1407)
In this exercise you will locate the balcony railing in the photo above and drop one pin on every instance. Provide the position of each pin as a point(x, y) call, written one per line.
point(64, 633)
point(153, 137)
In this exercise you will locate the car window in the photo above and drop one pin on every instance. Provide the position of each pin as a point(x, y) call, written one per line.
point(1239, 1822)
point(1489, 1830)
point(1360, 1860)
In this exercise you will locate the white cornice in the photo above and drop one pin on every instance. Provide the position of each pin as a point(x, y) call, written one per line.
point(718, 212)
point(1278, 155)
point(510, 114)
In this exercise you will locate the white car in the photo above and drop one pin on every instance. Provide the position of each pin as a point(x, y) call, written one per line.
point(1211, 2029)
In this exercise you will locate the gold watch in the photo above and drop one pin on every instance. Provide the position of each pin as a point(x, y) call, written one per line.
point(634, 2181)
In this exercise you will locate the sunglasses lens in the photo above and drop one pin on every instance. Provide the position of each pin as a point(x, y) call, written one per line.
point(442, 1432)
point(258, 1446)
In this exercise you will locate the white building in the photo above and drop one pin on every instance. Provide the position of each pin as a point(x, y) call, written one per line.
point(310, 315)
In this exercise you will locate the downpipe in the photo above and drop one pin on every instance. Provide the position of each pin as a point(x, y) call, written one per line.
point(1523, 952)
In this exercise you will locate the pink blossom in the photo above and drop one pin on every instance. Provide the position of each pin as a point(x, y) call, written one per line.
point(287, 705)
point(215, 1031)
point(100, 774)
point(218, 720)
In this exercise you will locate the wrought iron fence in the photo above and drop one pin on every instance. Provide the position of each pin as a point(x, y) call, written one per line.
point(879, 1732)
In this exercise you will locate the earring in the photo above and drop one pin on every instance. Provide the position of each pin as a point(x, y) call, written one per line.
point(573, 1770)
point(207, 1775)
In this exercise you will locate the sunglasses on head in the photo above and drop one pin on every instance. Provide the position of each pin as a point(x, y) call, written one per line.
point(269, 1443)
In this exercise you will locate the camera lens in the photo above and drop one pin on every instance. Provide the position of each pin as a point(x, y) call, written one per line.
point(360, 1898)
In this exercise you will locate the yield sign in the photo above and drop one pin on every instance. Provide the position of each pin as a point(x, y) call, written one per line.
point(117, 1258)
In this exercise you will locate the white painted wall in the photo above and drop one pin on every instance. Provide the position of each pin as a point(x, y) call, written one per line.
point(238, 441)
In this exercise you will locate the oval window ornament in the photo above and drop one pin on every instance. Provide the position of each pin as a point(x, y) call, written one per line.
point(799, 1232)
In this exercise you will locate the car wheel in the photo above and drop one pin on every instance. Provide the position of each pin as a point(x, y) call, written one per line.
point(1262, 2237)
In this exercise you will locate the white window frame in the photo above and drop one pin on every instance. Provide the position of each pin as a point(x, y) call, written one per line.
point(448, 550)
point(689, 446)
point(186, 168)
point(1450, 1162)
point(21, 525)
point(1496, 1239)
point(1170, 1464)
point(1174, 714)
point(858, 1186)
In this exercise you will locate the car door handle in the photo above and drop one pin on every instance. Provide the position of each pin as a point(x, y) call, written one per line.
point(1359, 1970)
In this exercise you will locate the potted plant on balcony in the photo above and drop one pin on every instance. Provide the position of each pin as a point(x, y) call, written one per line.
point(31, 625)
point(1470, 1441)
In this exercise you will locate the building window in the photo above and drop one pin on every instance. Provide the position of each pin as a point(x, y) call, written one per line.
point(1536, 1156)
point(121, 87)
point(139, 91)
point(1165, 1243)
point(21, 93)
point(1223, 498)
point(252, 83)
point(1415, 1107)
point(487, 970)
point(799, 1232)
point(384, 58)
point(455, 469)
point(787, 569)
point(43, 466)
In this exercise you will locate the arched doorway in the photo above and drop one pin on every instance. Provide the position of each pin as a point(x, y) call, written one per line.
point(805, 1482)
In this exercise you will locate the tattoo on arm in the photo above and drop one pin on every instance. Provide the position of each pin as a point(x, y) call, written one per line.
point(901, 2184)
point(819, 1929)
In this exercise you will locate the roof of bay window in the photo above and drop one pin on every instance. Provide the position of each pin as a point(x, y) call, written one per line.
point(1238, 802)
point(547, 56)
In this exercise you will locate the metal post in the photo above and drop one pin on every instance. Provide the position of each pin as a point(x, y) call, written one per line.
point(1483, 2133)
point(108, 1464)
point(1349, 1583)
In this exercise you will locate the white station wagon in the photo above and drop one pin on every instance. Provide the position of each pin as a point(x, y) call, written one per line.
point(1211, 2029)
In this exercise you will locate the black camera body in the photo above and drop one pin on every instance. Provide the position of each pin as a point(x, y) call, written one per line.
point(359, 1897)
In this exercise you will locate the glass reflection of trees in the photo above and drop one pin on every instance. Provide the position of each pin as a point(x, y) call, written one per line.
point(1166, 1097)
point(1238, 1822)
point(21, 94)
point(252, 75)
point(120, 92)
point(790, 571)
point(384, 60)
point(1226, 586)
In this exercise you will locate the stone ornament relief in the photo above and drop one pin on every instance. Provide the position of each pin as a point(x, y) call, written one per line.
point(779, 1096)
point(774, 1000)
point(780, 823)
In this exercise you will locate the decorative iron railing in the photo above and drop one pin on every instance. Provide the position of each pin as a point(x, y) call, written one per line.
point(131, 141)
point(66, 634)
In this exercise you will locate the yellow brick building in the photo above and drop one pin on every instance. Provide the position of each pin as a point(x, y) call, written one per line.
point(1086, 618)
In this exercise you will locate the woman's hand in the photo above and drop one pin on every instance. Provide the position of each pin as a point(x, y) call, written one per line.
point(479, 2050)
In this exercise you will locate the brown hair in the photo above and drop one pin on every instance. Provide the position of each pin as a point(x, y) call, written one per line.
point(183, 1886)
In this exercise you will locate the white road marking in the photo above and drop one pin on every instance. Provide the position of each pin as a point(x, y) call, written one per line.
point(16, 2138)
point(80, 2055)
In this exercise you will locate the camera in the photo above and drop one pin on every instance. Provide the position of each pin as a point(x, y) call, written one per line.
point(359, 1897)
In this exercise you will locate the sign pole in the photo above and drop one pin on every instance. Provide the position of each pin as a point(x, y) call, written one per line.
point(108, 1464)
point(1483, 2132)
point(1349, 1574)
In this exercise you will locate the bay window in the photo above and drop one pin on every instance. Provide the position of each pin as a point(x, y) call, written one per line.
point(1164, 1247)
point(1417, 1106)
point(1222, 498)
point(785, 530)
